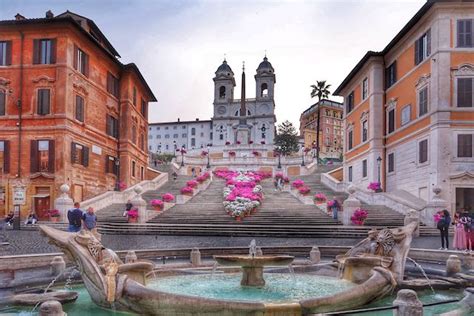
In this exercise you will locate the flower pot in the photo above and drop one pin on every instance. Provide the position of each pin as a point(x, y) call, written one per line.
point(132, 220)
point(238, 219)
point(157, 208)
point(54, 219)
point(188, 194)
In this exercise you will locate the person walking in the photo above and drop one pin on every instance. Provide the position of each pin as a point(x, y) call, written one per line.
point(443, 226)
point(89, 220)
point(128, 207)
point(74, 217)
point(193, 172)
point(468, 225)
point(459, 240)
point(335, 207)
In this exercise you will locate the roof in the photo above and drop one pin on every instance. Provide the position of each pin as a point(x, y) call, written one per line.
point(323, 102)
point(224, 68)
point(411, 23)
point(265, 64)
point(180, 122)
point(108, 49)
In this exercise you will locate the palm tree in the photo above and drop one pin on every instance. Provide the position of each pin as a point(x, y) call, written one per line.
point(320, 90)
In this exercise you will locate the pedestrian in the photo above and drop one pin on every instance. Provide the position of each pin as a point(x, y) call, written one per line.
point(468, 225)
point(175, 175)
point(275, 184)
point(279, 184)
point(335, 207)
point(128, 207)
point(443, 226)
point(459, 241)
point(193, 172)
point(89, 220)
point(74, 217)
point(32, 219)
point(9, 218)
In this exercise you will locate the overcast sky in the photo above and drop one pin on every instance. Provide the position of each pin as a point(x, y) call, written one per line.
point(178, 45)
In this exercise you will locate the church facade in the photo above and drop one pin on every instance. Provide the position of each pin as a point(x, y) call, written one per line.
point(244, 121)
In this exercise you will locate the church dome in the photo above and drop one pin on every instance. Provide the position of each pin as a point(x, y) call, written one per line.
point(265, 66)
point(224, 69)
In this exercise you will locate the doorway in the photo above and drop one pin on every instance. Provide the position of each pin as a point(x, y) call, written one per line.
point(465, 199)
point(42, 207)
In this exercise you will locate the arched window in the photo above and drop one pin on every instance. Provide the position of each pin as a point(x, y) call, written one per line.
point(264, 90)
point(222, 92)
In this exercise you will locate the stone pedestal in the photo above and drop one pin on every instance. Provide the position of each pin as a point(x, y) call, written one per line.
point(408, 304)
point(413, 217)
point(468, 261)
point(435, 205)
point(195, 257)
point(51, 308)
point(252, 276)
point(453, 265)
point(243, 134)
point(315, 255)
point(349, 206)
point(258, 251)
point(131, 257)
point(140, 204)
point(57, 266)
point(63, 203)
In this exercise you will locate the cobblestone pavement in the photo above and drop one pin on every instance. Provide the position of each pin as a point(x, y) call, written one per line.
point(30, 242)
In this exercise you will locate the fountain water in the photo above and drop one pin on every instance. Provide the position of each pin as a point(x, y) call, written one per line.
point(292, 272)
point(422, 272)
point(47, 289)
point(214, 268)
point(253, 248)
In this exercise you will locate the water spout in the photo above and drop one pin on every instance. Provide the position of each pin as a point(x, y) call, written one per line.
point(46, 290)
point(423, 272)
point(292, 272)
point(214, 268)
point(253, 248)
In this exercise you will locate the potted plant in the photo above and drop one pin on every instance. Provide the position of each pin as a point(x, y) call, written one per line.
point(262, 142)
point(227, 143)
point(187, 191)
point(231, 153)
point(320, 198)
point(132, 215)
point(203, 153)
point(251, 142)
point(375, 186)
point(359, 217)
point(256, 153)
point(238, 142)
point(297, 183)
point(54, 215)
point(192, 183)
point(167, 197)
point(122, 185)
point(157, 204)
point(304, 190)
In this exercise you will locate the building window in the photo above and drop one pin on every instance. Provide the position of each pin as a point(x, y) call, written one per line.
point(44, 101)
point(193, 131)
point(183, 135)
point(142, 173)
point(79, 154)
point(349, 140)
point(167, 136)
point(112, 85)
point(423, 101)
point(3, 102)
point(350, 173)
point(183, 127)
point(4, 156)
point(465, 34)
point(465, 91)
point(158, 136)
point(5, 53)
point(135, 96)
point(406, 114)
point(193, 142)
point(350, 102)
point(391, 121)
point(166, 127)
point(202, 134)
point(391, 75)
point(44, 51)
point(465, 145)
point(364, 168)
point(134, 134)
point(391, 162)
point(175, 127)
point(42, 156)
point(365, 130)
point(175, 135)
point(111, 165)
point(81, 62)
point(222, 92)
point(142, 142)
point(221, 136)
point(79, 108)
point(167, 147)
point(365, 88)
point(157, 128)
point(423, 47)
point(112, 126)
point(423, 151)
point(144, 108)
point(133, 169)
point(264, 90)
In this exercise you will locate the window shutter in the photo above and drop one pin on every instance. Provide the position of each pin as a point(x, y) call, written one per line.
point(468, 33)
point(33, 156)
point(107, 163)
point(3, 104)
point(73, 152)
point(85, 151)
point(51, 156)
point(47, 101)
point(36, 51)
point(8, 57)
point(465, 92)
point(417, 52)
point(6, 156)
point(460, 32)
point(107, 125)
point(428, 42)
point(74, 59)
point(53, 51)
point(86, 65)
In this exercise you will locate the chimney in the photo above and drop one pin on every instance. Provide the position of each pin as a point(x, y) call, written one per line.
point(19, 17)
point(178, 119)
point(49, 14)
point(197, 119)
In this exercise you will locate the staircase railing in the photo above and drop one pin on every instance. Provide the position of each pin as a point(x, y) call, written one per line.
point(331, 182)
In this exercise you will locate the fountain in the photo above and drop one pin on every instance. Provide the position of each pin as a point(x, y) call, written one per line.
point(370, 270)
point(252, 266)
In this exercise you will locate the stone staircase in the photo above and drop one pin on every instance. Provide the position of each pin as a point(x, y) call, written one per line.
point(113, 213)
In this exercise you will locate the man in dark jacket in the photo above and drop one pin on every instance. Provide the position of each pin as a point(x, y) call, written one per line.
point(443, 226)
point(74, 217)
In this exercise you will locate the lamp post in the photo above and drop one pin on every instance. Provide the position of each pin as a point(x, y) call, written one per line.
point(117, 168)
point(314, 148)
point(279, 157)
point(379, 163)
point(175, 147)
point(182, 156)
point(302, 156)
point(208, 162)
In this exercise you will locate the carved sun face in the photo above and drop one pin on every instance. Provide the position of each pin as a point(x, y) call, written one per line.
point(221, 110)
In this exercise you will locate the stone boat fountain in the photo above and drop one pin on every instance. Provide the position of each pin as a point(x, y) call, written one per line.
point(373, 268)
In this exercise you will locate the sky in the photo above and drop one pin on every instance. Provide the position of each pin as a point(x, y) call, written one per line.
point(178, 45)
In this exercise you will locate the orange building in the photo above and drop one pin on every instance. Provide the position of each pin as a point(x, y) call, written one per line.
point(330, 128)
point(70, 112)
point(412, 105)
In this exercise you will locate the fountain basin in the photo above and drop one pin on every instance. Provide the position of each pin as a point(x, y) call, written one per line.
point(252, 267)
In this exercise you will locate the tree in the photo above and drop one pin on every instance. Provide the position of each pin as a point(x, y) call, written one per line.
point(320, 90)
point(286, 139)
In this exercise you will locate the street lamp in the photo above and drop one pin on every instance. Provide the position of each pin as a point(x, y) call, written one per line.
point(279, 157)
point(302, 156)
point(314, 148)
point(182, 156)
point(175, 147)
point(379, 162)
point(208, 162)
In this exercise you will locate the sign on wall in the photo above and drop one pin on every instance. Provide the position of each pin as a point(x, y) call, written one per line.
point(19, 196)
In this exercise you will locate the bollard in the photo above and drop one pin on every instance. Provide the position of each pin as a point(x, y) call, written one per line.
point(57, 266)
point(315, 255)
point(453, 265)
point(408, 304)
point(51, 308)
point(131, 257)
point(195, 257)
point(258, 252)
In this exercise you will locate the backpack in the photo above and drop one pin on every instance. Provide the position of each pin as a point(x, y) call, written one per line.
point(76, 217)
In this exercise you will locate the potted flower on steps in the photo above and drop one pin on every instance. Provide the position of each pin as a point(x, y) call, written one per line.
point(54, 215)
point(157, 204)
point(319, 198)
point(359, 217)
point(187, 191)
point(133, 215)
